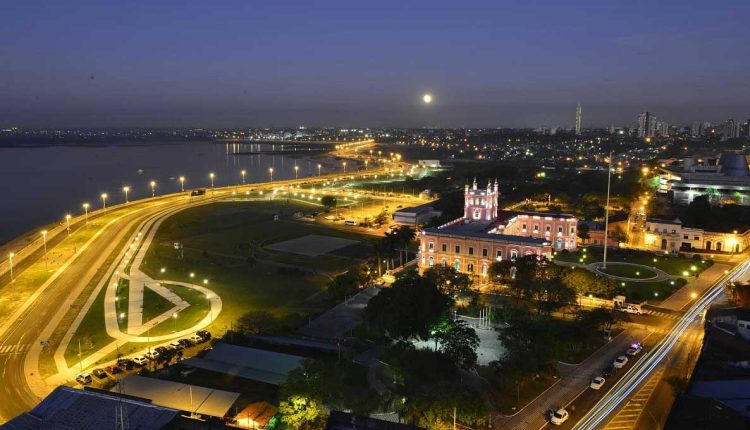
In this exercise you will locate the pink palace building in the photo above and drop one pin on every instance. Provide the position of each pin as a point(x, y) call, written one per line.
point(485, 234)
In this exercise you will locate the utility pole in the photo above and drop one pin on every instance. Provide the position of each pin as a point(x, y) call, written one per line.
point(606, 210)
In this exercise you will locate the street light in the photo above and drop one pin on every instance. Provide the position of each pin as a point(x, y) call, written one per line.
point(212, 176)
point(44, 239)
point(319, 166)
point(86, 208)
point(10, 258)
point(174, 317)
point(296, 169)
point(126, 189)
point(67, 223)
point(344, 166)
point(270, 172)
point(182, 184)
point(153, 188)
point(243, 176)
point(104, 200)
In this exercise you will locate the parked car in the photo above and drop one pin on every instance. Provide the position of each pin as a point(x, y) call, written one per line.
point(185, 343)
point(113, 370)
point(125, 363)
point(197, 339)
point(597, 383)
point(559, 416)
point(162, 349)
point(176, 345)
point(140, 360)
point(187, 371)
point(84, 378)
point(153, 355)
point(204, 334)
point(620, 362)
point(99, 373)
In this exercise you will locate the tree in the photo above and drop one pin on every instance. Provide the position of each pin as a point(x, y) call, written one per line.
point(583, 231)
point(449, 280)
point(328, 201)
point(596, 319)
point(258, 322)
point(500, 270)
point(699, 211)
point(302, 413)
point(348, 283)
point(459, 343)
point(434, 406)
point(585, 282)
point(408, 309)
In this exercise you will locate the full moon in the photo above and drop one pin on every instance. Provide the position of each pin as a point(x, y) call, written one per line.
point(427, 98)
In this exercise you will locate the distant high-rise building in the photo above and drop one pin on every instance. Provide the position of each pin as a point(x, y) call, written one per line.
point(662, 129)
point(646, 125)
point(611, 129)
point(695, 129)
point(578, 119)
point(730, 129)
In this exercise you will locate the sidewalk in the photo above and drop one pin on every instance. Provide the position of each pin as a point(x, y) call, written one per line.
point(698, 285)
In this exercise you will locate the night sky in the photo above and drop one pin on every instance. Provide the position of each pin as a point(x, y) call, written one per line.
point(367, 63)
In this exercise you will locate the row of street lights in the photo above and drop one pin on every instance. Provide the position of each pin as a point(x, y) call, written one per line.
point(152, 184)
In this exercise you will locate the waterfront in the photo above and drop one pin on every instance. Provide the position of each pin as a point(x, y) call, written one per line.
point(44, 183)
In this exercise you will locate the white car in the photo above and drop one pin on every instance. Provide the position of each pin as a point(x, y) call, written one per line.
point(176, 345)
point(196, 339)
point(597, 383)
point(558, 417)
point(84, 378)
point(630, 309)
point(620, 362)
point(140, 360)
point(153, 355)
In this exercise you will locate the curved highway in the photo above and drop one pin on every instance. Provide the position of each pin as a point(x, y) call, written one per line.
point(88, 264)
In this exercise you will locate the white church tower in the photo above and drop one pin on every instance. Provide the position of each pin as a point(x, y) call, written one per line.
point(481, 205)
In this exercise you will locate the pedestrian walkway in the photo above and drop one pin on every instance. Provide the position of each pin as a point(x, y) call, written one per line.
point(695, 287)
point(661, 314)
point(14, 349)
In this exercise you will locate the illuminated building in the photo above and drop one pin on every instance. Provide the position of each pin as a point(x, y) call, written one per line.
point(671, 236)
point(726, 180)
point(484, 234)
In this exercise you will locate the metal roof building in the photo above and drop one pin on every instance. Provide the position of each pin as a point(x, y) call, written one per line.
point(182, 397)
point(249, 363)
point(70, 408)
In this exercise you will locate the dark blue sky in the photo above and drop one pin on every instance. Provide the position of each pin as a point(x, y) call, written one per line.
point(358, 63)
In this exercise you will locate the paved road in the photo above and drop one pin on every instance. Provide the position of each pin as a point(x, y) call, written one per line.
point(613, 400)
point(16, 395)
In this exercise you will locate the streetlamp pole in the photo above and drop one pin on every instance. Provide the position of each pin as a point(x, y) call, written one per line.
point(211, 175)
point(243, 176)
point(319, 166)
point(126, 189)
point(153, 188)
point(67, 223)
point(104, 201)
point(44, 240)
point(296, 169)
point(344, 166)
point(606, 210)
point(86, 209)
point(270, 172)
point(182, 184)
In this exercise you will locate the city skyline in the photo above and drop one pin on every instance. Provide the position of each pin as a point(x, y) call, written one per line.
point(491, 65)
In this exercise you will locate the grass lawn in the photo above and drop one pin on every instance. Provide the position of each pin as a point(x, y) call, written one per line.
point(122, 304)
point(651, 292)
point(511, 396)
point(675, 266)
point(90, 333)
point(154, 304)
point(629, 271)
point(185, 318)
point(243, 228)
